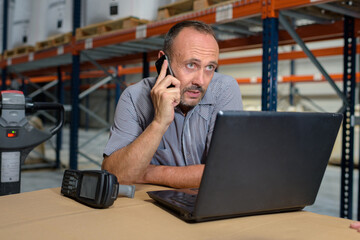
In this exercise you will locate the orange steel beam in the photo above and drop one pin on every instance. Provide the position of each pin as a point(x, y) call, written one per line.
point(48, 53)
point(284, 79)
point(297, 78)
point(41, 79)
point(310, 33)
point(249, 59)
point(288, 55)
point(91, 74)
point(286, 4)
point(268, 9)
point(253, 80)
point(133, 70)
point(129, 59)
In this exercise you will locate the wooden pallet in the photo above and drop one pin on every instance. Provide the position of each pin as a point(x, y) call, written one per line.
point(18, 51)
point(173, 9)
point(186, 6)
point(202, 4)
point(54, 41)
point(108, 27)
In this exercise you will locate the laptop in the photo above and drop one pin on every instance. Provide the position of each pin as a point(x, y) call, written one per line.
point(258, 163)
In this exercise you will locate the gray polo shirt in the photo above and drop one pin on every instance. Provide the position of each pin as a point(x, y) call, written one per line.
point(186, 141)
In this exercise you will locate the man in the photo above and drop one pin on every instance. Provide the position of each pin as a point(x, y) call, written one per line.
point(355, 225)
point(163, 126)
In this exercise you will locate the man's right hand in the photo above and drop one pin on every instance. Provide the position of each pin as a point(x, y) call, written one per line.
point(165, 99)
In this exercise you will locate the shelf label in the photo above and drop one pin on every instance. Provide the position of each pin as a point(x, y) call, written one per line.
point(141, 31)
point(9, 61)
point(31, 57)
point(224, 13)
point(317, 77)
point(10, 167)
point(253, 80)
point(88, 43)
point(60, 50)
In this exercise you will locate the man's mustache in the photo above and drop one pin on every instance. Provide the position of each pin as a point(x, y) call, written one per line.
point(193, 88)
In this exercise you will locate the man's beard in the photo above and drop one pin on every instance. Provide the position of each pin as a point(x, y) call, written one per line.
point(191, 88)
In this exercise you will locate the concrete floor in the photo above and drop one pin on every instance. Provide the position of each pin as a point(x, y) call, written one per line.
point(328, 198)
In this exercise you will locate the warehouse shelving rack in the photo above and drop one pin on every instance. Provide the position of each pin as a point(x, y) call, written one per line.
point(243, 24)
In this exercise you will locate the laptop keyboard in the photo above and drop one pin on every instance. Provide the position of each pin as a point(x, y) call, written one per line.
point(184, 199)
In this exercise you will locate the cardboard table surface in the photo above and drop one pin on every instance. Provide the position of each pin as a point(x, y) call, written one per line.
point(46, 214)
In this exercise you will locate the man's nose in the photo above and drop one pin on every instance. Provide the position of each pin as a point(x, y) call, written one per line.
point(199, 78)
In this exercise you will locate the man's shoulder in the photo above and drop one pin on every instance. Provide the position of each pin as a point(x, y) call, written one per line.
point(222, 81)
point(139, 90)
point(222, 78)
point(138, 96)
point(143, 86)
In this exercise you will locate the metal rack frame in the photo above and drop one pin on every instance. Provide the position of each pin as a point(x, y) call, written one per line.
point(347, 161)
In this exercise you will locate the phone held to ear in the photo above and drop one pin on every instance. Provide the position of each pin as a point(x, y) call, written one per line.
point(159, 64)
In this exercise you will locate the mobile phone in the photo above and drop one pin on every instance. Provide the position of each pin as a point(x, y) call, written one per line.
point(159, 64)
point(94, 188)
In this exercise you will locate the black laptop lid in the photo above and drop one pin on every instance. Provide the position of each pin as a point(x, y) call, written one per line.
point(265, 162)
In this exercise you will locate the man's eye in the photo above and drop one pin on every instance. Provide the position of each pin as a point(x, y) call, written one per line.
point(190, 65)
point(210, 67)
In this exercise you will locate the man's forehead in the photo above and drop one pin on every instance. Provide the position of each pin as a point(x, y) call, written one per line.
point(192, 32)
point(191, 40)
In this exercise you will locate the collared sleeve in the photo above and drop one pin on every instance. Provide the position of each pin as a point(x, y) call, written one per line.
point(126, 127)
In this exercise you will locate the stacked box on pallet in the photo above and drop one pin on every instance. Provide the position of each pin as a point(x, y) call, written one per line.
point(175, 8)
point(115, 15)
point(93, 12)
point(1, 25)
point(10, 10)
point(23, 30)
point(108, 27)
point(57, 22)
point(59, 17)
point(186, 6)
point(20, 12)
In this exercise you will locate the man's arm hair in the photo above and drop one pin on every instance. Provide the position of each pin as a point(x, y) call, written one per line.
point(129, 163)
point(173, 176)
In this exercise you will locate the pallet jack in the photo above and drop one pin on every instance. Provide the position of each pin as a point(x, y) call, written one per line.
point(18, 137)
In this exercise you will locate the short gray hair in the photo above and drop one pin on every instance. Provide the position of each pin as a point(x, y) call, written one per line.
point(175, 30)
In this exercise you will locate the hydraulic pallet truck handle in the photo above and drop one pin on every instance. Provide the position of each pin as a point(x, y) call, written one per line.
point(18, 137)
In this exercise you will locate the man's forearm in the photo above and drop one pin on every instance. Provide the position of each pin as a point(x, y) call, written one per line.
point(177, 177)
point(129, 163)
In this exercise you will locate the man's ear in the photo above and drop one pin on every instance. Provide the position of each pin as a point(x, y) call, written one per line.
point(161, 53)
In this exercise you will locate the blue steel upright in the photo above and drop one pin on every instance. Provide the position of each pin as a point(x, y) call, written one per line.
point(60, 97)
point(75, 90)
point(347, 157)
point(4, 39)
point(270, 64)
